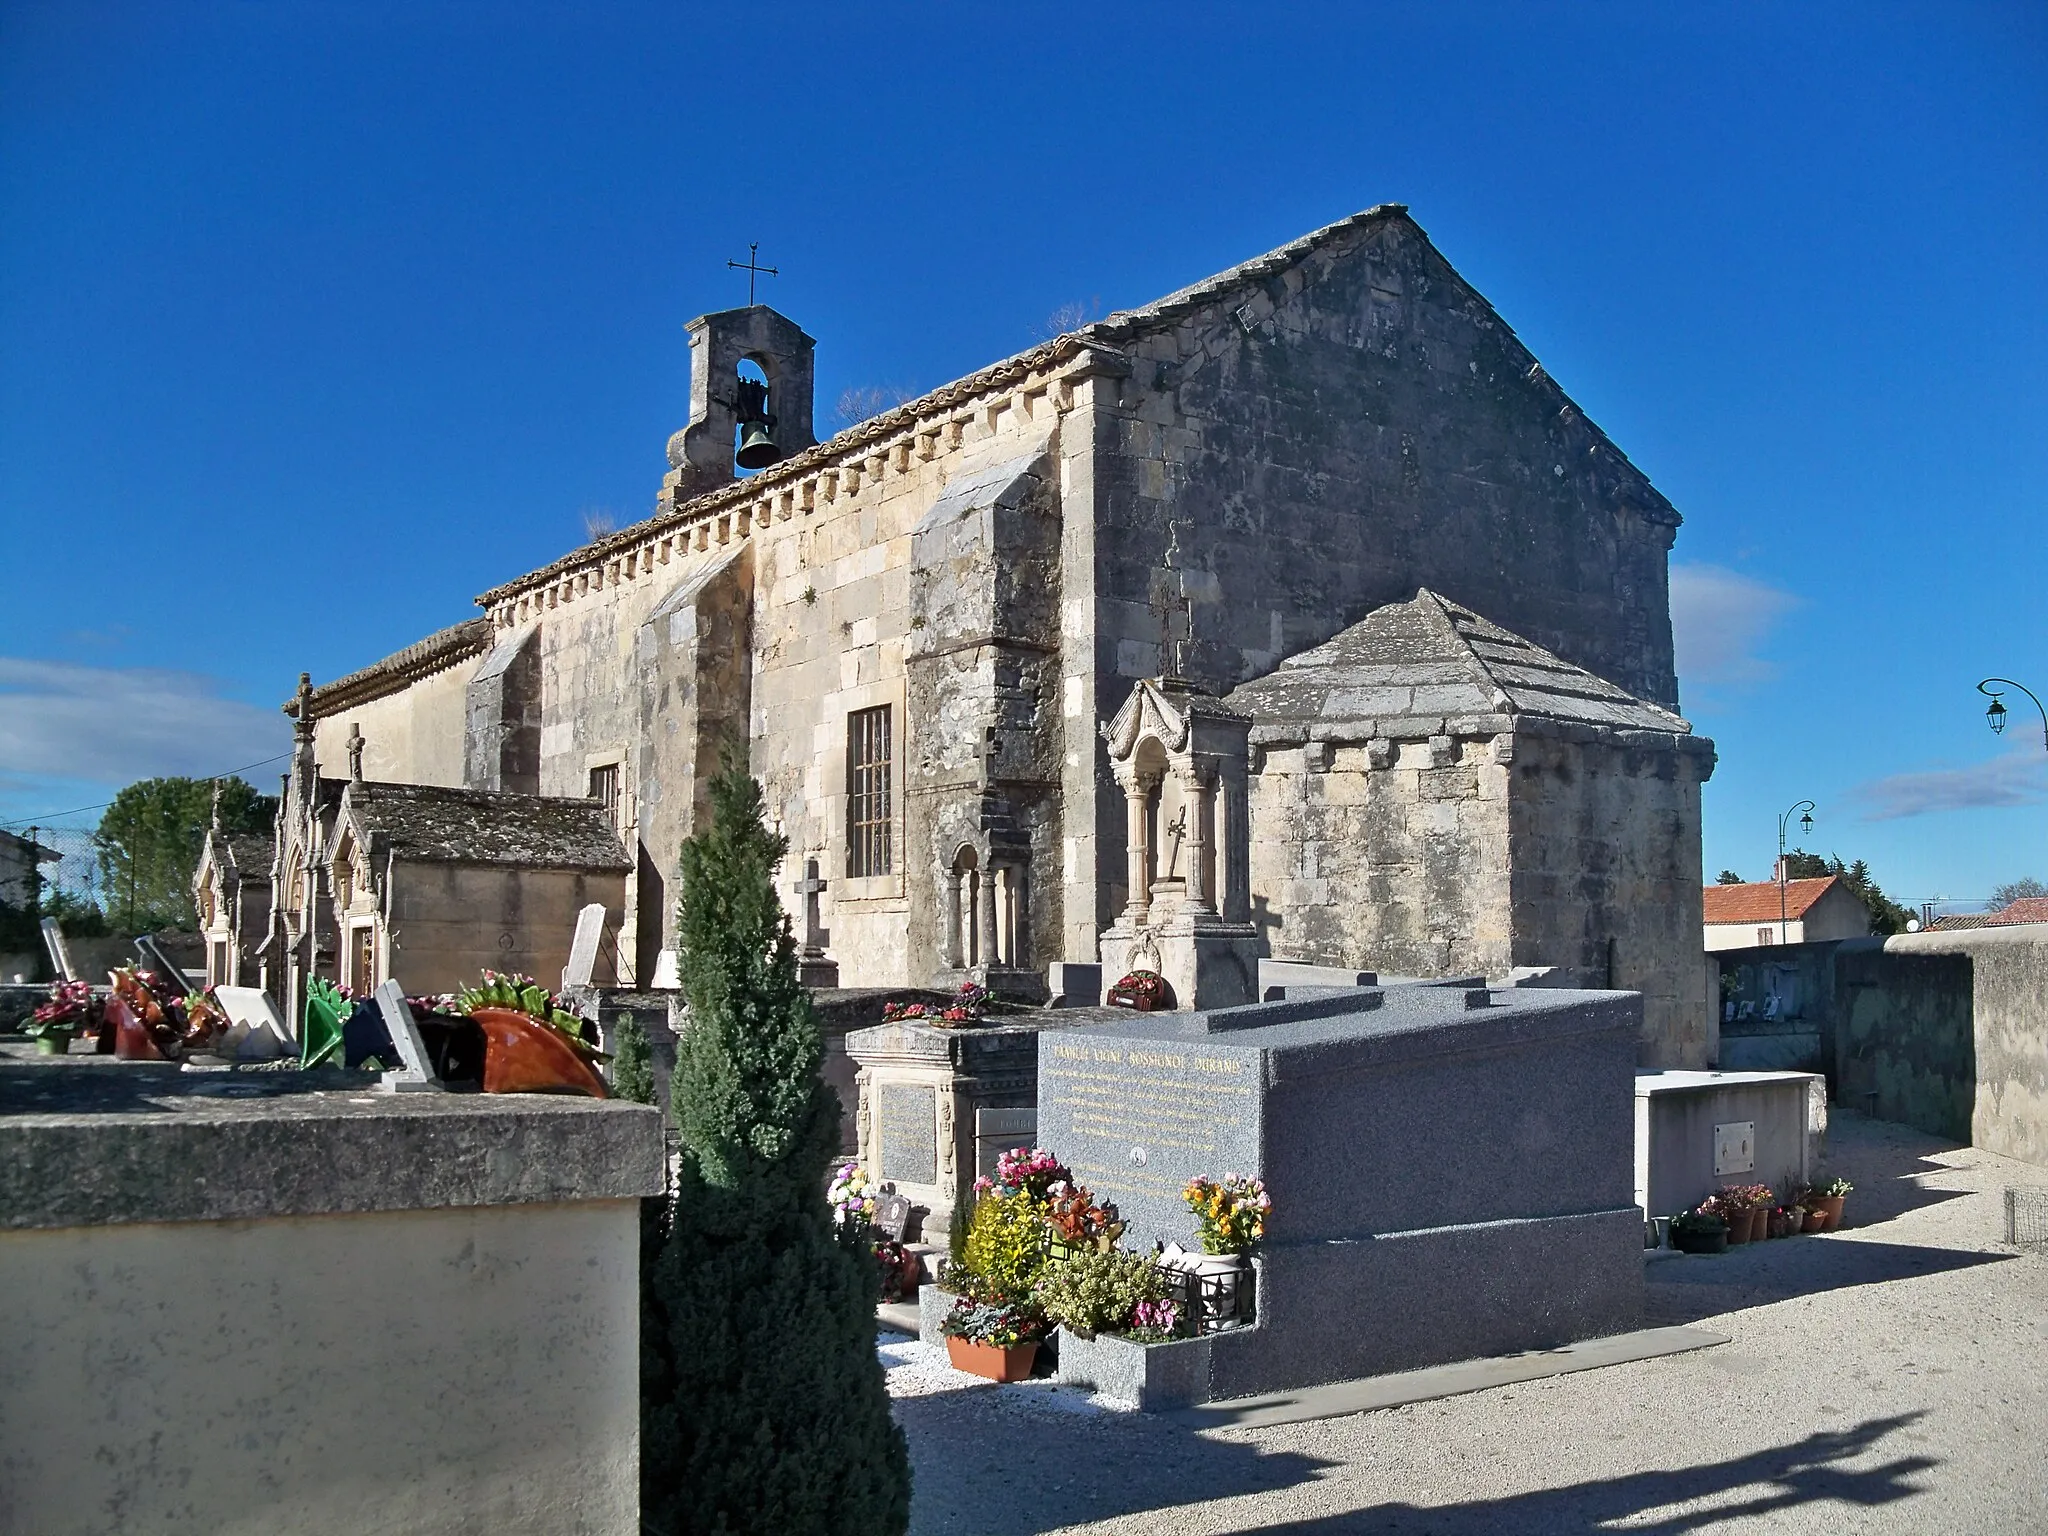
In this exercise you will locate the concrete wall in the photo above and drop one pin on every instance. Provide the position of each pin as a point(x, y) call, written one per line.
point(413, 736)
point(1944, 1031)
point(471, 1371)
point(1676, 1113)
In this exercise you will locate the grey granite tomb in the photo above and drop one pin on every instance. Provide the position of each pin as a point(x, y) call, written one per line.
point(1451, 1168)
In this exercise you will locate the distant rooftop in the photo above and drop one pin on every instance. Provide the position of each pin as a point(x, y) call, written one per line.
point(1757, 901)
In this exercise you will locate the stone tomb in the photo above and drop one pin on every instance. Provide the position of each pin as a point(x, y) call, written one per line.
point(1451, 1171)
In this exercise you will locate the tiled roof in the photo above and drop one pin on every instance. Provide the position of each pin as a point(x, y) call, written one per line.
point(1757, 902)
point(432, 823)
point(1415, 667)
point(438, 652)
point(2028, 909)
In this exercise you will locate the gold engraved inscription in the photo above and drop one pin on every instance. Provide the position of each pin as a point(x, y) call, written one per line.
point(1169, 1103)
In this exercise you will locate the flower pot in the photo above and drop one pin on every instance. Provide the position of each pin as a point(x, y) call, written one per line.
point(993, 1361)
point(1220, 1285)
point(1738, 1227)
point(1700, 1242)
point(1759, 1223)
point(53, 1042)
point(523, 1055)
point(1831, 1212)
point(1816, 1220)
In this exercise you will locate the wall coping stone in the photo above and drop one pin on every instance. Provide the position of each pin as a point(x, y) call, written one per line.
point(89, 1146)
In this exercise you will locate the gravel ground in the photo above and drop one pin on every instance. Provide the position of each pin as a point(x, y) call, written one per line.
point(1893, 1377)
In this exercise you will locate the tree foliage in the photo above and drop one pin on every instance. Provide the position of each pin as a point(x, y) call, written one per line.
point(148, 845)
point(2017, 890)
point(1886, 915)
point(633, 1063)
point(763, 1404)
point(1728, 877)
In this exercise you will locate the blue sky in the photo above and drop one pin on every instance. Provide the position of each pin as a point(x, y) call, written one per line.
point(318, 319)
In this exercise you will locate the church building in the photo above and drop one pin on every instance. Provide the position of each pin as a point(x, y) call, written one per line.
point(1297, 615)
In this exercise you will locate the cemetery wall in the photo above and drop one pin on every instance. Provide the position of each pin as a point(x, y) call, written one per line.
point(410, 736)
point(318, 1312)
point(1604, 850)
point(1401, 870)
point(444, 915)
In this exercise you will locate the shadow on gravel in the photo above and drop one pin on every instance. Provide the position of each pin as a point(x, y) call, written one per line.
point(1806, 1472)
point(976, 1475)
point(1886, 1162)
point(1686, 1290)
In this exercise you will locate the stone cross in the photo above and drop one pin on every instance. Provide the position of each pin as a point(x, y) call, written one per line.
point(60, 952)
point(417, 1073)
point(811, 887)
point(355, 752)
point(583, 949)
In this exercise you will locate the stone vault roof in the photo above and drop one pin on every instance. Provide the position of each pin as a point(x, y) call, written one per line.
point(1428, 667)
point(434, 824)
point(1756, 901)
point(438, 652)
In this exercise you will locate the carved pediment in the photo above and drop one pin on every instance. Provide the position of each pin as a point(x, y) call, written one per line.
point(1147, 712)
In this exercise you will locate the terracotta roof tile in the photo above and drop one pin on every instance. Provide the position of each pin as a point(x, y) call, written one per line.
point(1757, 902)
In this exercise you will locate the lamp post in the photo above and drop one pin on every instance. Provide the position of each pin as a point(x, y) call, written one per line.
point(1805, 810)
point(1994, 716)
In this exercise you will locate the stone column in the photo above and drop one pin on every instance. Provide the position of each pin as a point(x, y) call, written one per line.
point(952, 954)
point(987, 893)
point(1136, 838)
point(1199, 789)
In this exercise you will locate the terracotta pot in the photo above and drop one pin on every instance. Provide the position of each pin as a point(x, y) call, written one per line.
point(523, 1055)
point(1738, 1227)
point(1831, 1209)
point(992, 1360)
point(1816, 1220)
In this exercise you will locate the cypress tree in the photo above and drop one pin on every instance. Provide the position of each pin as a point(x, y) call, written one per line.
point(763, 1407)
point(633, 1063)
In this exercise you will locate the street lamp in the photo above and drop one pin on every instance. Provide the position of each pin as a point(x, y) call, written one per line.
point(1805, 809)
point(1995, 715)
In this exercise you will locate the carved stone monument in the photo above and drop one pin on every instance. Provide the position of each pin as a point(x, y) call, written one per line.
point(1180, 756)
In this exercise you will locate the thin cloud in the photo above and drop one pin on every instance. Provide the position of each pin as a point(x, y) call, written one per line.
point(114, 725)
point(1719, 621)
point(2014, 779)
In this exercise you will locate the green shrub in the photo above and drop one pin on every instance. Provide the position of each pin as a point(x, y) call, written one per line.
point(1096, 1292)
point(632, 1063)
point(1005, 1246)
point(762, 1402)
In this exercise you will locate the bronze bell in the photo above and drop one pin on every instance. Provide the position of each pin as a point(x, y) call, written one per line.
point(757, 448)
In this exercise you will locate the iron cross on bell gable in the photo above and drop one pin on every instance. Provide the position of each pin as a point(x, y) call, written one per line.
point(753, 268)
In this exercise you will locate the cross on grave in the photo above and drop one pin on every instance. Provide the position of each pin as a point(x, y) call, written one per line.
point(356, 743)
point(752, 268)
point(811, 887)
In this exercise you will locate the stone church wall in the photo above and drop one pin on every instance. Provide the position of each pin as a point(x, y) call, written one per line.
point(412, 736)
point(1364, 426)
point(1401, 869)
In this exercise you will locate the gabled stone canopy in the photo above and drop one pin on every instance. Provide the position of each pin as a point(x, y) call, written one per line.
point(1428, 667)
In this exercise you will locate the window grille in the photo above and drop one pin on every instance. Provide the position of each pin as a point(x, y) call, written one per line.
point(604, 789)
point(868, 757)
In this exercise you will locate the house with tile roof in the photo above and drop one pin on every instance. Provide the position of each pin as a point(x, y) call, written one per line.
point(1748, 915)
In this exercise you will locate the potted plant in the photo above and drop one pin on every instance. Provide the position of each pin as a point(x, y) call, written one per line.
point(1230, 1221)
point(67, 1012)
point(1699, 1230)
point(1828, 1201)
point(992, 1338)
point(1099, 1290)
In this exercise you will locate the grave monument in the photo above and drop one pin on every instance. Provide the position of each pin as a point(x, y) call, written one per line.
point(1451, 1169)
